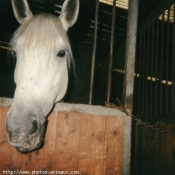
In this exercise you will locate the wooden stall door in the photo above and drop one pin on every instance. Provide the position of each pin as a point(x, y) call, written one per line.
point(75, 143)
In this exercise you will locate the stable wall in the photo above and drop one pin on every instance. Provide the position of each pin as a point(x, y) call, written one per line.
point(92, 140)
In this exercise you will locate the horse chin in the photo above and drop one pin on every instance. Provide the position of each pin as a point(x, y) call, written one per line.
point(37, 145)
point(32, 143)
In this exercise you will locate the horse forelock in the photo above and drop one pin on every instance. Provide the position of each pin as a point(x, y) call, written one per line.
point(43, 33)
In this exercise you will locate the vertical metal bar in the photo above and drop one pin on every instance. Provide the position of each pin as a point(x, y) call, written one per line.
point(117, 79)
point(147, 93)
point(173, 61)
point(119, 73)
point(123, 68)
point(152, 68)
point(129, 76)
point(156, 65)
point(94, 53)
point(161, 62)
point(167, 61)
point(140, 73)
point(111, 52)
point(143, 71)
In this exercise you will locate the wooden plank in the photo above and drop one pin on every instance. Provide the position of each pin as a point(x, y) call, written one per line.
point(167, 158)
point(65, 156)
point(43, 157)
point(91, 152)
point(168, 148)
point(147, 140)
point(156, 150)
point(7, 151)
point(114, 145)
point(18, 161)
point(161, 166)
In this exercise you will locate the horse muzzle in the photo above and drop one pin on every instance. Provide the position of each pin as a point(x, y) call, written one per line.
point(27, 142)
point(25, 134)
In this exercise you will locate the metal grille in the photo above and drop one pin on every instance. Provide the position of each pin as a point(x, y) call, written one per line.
point(155, 65)
point(118, 72)
point(154, 86)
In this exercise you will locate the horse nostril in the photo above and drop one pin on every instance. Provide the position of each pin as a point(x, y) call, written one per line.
point(34, 127)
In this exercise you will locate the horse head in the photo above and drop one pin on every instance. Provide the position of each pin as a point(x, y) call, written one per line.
point(43, 56)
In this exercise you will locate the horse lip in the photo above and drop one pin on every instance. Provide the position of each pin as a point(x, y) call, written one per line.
point(29, 149)
point(38, 142)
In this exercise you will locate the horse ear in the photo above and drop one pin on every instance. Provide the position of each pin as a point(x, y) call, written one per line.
point(21, 10)
point(69, 13)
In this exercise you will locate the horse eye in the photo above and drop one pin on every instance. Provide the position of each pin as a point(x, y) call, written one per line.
point(13, 53)
point(11, 58)
point(61, 53)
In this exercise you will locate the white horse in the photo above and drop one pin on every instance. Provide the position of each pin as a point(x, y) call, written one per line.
point(43, 56)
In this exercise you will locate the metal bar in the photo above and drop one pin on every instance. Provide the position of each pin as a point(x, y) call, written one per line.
point(143, 72)
point(119, 77)
point(156, 65)
point(140, 74)
point(111, 53)
point(6, 48)
point(129, 76)
point(120, 67)
point(161, 62)
point(94, 53)
point(116, 73)
point(152, 69)
point(119, 74)
point(173, 62)
point(167, 61)
point(123, 68)
point(4, 42)
point(147, 93)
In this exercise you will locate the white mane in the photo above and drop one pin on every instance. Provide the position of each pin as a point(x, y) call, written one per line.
point(43, 33)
